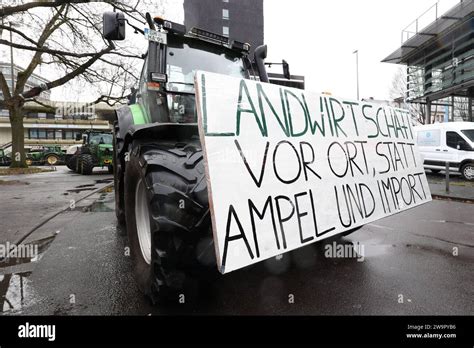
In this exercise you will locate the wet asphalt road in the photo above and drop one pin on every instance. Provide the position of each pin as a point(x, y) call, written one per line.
point(409, 268)
point(27, 199)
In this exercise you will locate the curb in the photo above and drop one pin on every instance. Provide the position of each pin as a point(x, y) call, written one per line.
point(451, 198)
point(62, 210)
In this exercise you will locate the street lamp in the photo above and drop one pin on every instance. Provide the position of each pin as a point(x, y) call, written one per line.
point(357, 70)
point(12, 66)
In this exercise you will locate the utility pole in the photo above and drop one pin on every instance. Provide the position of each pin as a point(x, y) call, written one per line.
point(357, 70)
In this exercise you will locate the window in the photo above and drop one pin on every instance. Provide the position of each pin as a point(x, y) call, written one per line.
point(469, 133)
point(225, 31)
point(50, 134)
point(225, 14)
point(225, 0)
point(42, 133)
point(33, 134)
point(453, 139)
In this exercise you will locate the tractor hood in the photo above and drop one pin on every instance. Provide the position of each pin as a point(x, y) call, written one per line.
point(104, 147)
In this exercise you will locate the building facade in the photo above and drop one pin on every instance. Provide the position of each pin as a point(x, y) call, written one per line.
point(440, 61)
point(240, 20)
point(53, 122)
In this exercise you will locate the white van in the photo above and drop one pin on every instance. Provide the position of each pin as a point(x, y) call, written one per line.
point(451, 142)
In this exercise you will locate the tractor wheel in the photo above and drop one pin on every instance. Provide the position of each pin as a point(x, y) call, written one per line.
point(467, 171)
point(118, 177)
point(167, 217)
point(52, 160)
point(72, 163)
point(85, 164)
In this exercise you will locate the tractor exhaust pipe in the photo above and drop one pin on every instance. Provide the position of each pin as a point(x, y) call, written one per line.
point(259, 56)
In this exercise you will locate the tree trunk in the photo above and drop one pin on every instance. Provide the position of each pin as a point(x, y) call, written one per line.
point(18, 137)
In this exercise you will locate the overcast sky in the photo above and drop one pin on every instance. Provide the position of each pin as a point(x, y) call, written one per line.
point(317, 38)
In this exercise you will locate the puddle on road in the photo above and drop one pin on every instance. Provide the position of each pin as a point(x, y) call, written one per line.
point(105, 203)
point(78, 190)
point(91, 187)
point(16, 291)
point(86, 185)
point(104, 181)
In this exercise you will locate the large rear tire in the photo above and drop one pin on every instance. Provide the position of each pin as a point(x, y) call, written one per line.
point(167, 217)
point(85, 164)
point(71, 163)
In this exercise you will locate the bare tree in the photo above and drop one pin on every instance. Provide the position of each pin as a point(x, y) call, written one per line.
point(398, 91)
point(66, 35)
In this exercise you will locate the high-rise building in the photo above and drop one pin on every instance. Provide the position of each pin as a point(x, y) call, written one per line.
point(240, 20)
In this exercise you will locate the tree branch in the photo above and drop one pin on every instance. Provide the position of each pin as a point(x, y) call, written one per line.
point(13, 30)
point(37, 90)
point(9, 10)
point(4, 87)
point(48, 107)
point(50, 27)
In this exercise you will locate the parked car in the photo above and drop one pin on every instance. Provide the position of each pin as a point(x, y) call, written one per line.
point(451, 142)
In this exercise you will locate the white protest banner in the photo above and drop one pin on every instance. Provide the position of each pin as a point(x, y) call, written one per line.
point(287, 167)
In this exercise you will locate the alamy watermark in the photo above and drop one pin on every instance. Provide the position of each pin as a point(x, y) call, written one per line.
point(75, 109)
point(347, 250)
point(22, 251)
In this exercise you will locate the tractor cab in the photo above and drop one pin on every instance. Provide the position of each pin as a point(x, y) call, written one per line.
point(95, 138)
point(166, 88)
point(180, 59)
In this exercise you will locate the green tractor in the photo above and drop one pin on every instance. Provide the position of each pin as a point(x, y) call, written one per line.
point(48, 154)
point(160, 186)
point(158, 159)
point(96, 151)
point(5, 160)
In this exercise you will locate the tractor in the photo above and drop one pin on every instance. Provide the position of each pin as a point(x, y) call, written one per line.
point(48, 154)
point(5, 160)
point(161, 191)
point(96, 151)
